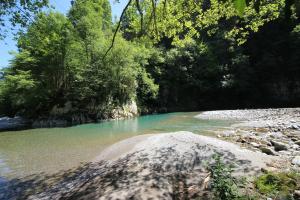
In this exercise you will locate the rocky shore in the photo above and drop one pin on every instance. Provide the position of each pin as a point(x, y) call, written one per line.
point(271, 131)
point(16, 123)
point(63, 117)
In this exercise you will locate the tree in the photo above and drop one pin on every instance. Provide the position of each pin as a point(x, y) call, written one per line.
point(183, 19)
point(19, 13)
point(42, 52)
point(17, 93)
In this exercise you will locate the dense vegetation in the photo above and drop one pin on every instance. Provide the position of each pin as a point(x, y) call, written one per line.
point(170, 56)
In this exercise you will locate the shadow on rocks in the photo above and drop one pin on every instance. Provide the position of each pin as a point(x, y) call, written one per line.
point(165, 174)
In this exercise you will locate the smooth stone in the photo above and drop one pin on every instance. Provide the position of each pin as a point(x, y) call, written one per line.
point(297, 194)
point(254, 144)
point(296, 161)
point(228, 133)
point(276, 135)
point(267, 151)
point(278, 146)
point(241, 140)
point(287, 153)
point(268, 169)
point(294, 126)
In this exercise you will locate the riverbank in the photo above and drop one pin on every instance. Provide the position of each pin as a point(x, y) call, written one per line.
point(271, 131)
point(65, 117)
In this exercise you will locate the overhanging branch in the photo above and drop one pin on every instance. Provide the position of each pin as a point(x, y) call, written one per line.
point(117, 29)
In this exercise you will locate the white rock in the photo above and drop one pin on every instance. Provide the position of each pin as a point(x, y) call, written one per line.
point(294, 126)
point(296, 161)
point(254, 144)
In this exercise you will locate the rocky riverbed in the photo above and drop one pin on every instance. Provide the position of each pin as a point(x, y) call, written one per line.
point(271, 131)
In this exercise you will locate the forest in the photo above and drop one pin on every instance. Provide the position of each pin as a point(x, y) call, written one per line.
point(166, 56)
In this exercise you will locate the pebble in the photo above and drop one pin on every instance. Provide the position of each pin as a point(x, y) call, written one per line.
point(294, 126)
point(276, 135)
point(228, 133)
point(297, 194)
point(267, 151)
point(268, 169)
point(296, 161)
point(278, 146)
point(254, 144)
point(287, 153)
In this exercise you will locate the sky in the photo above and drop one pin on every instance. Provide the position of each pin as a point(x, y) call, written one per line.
point(9, 44)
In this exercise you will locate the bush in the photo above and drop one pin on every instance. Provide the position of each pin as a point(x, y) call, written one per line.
point(227, 187)
point(223, 183)
point(278, 184)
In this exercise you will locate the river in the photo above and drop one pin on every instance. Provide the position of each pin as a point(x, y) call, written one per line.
point(51, 150)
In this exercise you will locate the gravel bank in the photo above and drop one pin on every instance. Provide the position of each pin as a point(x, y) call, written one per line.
point(271, 131)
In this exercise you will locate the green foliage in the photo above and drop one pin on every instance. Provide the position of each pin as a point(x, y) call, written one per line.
point(223, 183)
point(18, 91)
point(225, 186)
point(18, 13)
point(63, 60)
point(90, 17)
point(278, 184)
point(240, 6)
point(182, 20)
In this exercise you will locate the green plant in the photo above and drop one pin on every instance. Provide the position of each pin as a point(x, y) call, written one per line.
point(227, 187)
point(223, 183)
point(278, 184)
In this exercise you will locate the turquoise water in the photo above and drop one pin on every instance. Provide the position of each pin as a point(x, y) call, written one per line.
point(51, 150)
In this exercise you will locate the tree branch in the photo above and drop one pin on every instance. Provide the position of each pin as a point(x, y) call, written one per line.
point(141, 14)
point(154, 16)
point(117, 29)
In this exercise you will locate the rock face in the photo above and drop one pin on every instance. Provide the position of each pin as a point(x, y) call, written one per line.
point(15, 123)
point(60, 117)
point(48, 123)
point(126, 111)
point(162, 166)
